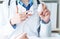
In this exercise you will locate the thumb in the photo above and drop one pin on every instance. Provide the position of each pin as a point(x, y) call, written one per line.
point(40, 13)
point(24, 34)
point(44, 6)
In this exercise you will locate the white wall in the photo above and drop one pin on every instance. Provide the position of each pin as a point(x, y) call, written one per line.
point(59, 13)
point(1, 0)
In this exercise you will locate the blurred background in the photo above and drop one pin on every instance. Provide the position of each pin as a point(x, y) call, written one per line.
point(53, 6)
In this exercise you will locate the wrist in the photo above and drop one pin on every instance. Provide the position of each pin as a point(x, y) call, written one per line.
point(45, 22)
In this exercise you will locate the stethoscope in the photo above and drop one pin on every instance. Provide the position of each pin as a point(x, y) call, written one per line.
point(38, 2)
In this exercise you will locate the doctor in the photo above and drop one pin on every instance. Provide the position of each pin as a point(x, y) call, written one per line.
point(25, 18)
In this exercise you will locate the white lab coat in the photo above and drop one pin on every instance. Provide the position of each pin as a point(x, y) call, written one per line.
point(5, 27)
point(31, 24)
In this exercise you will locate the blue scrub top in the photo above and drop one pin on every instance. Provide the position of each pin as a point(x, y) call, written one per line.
point(29, 5)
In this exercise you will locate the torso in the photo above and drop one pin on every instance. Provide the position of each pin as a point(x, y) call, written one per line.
point(31, 24)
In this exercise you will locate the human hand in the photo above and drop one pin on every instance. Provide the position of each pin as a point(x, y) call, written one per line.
point(22, 36)
point(45, 14)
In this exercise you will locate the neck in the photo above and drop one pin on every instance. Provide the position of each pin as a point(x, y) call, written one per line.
point(26, 2)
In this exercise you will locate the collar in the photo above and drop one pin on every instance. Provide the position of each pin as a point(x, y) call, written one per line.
point(29, 5)
point(21, 3)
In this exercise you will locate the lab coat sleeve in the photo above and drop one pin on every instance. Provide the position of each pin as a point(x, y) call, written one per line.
point(45, 29)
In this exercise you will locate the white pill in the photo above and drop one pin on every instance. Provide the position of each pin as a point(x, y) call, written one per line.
point(40, 8)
